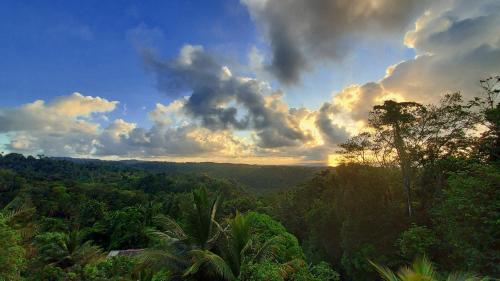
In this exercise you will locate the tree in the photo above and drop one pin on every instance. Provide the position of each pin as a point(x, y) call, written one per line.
point(66, 250)
point(466, 218)
point(240, 244)
point(223, 251)
point(12, 259)
point(393, 122)
point(412, 135)
point(187, 252)
point(201, 223)
point(490, 139)
point(417, 241)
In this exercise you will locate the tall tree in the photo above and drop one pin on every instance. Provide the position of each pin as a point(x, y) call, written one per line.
point(411, 135)
point(490, 108)
point(393, 122)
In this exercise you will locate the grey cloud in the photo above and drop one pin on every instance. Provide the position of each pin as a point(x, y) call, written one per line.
point(223, 101)
point(461, 54)
point(462, 32)
point(332, 133)
point(457, 45)
point(157, 141)
point(304, 32)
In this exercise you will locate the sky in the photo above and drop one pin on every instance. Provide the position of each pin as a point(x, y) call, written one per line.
point(250, 81)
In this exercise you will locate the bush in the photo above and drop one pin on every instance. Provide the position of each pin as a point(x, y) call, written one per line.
point(417, 241)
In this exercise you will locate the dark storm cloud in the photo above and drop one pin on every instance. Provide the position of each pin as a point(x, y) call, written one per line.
point(223, 101)
point(304, 32)
point(332, 133)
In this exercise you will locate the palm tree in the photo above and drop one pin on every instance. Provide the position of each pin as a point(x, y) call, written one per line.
point(236, 247)
point(66, 250)
point(20, 218)
point(202, 226)
point(186, 251)
point(422, 270)
point(192, 252)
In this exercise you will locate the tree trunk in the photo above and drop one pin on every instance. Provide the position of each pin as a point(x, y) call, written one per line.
point(406, 171)
point(405, 165)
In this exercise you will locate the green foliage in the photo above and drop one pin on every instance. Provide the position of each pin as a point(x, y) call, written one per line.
point(467, 217)
point(65, 250)
point(417, 241)
point(262, 272)
point(125, 228)
point(90, 212)
point(422, 270)
point(116, 269)
point(266, 228)
point(56, 215)
point(12, 254)
point(200, 220)
point(355, 262)
point(10, 185)
point(323, 272)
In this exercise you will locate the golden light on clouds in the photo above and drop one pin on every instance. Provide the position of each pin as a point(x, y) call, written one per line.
point(347, 98)
point(79, 105)
point(334, 160)
point(308, 126)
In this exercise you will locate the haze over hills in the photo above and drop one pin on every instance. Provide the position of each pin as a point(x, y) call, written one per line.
point(260, 178)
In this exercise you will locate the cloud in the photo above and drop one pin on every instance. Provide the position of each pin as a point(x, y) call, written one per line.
point(333, 133)
point(62, 127)
point(68, 126)
point(171, 135)
point(218, 115)
point(223, 101)
point(65, 113)
point(456, 44)
point(302, 33)
point(456, 48)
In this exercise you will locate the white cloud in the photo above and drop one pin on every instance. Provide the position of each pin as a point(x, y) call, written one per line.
point(456, 44)
point(227, 117)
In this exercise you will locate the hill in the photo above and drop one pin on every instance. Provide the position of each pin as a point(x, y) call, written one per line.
point(258, 178)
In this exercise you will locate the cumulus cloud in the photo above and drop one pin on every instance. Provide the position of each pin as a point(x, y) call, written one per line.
point(68, 126)
point(223, 101)
point(218, 114)
point(170, 135)
point(61, 127)
point(62, 113)
point(304, 32)
point(457, 44)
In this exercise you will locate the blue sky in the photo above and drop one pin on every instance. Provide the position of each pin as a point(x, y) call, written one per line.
point(331, 61)
point(84, 46)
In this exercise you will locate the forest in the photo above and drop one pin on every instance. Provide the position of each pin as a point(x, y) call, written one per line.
point(417, 197)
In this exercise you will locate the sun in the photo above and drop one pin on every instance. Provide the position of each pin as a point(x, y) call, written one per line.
point(334, 160)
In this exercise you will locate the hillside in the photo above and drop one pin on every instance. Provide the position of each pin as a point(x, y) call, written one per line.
point(258, 178)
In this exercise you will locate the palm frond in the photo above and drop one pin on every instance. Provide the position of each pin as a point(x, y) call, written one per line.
point(10, 215)
point(212, 261)
point(463, 276)
point(385, 273)
point(87, 254)
point(213, 212)
point(268, 249)
point(171, 226)
point(424, 267)
point(287, 269)
point(159, 259)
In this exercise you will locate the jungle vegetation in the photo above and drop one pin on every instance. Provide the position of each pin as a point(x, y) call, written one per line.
point(416, 198)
